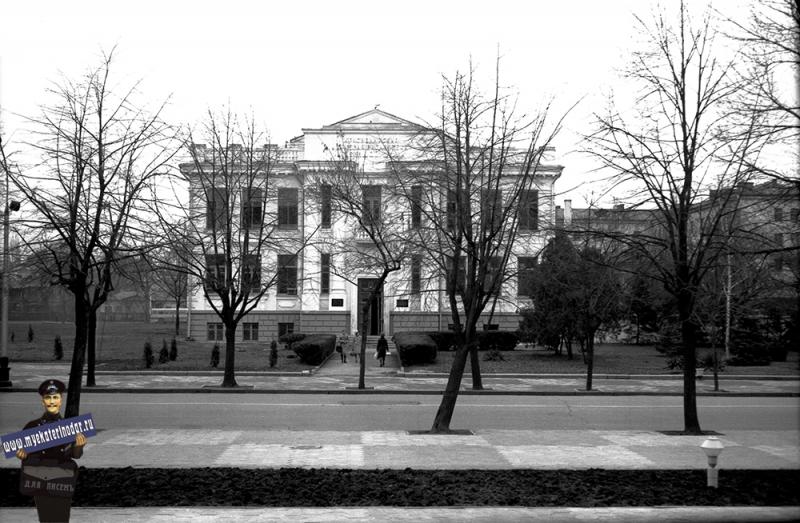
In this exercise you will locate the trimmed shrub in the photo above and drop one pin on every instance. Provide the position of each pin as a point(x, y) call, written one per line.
point(290, 338)
point(173, 350)
point(314, 348)
point(58, 349)
point(148, 355)
point(498, 340)
point(215, 356)
point(444, 340)
point(414, 348)
point(163, 354)
point(273, 353)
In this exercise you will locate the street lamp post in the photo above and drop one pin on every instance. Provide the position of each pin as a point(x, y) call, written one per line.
point(5, 377)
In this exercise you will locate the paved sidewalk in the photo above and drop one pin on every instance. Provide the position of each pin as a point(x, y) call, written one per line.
point(419, 514)
point(483, 449)
point(338, 377)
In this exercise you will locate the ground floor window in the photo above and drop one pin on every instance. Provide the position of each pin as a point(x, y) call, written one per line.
point(215, 331)
point(249, 331)
point(285, 328)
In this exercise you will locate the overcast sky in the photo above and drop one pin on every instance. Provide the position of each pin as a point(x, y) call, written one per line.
point(306, 64)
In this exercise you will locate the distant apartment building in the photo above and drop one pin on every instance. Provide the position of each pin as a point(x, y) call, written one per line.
point(309, 295)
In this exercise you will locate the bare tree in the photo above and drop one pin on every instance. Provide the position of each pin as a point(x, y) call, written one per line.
point(478, 165)
point(684, 143)
point(239, 225)
point(771, 42)
point(171, 282)
point(377, 214)
point(100, 154)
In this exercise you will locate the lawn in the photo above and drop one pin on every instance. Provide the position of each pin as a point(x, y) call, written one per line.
point(120, 346)
point(609, 359)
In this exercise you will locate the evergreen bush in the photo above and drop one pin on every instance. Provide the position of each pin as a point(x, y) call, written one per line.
point(58, 349)
point(215, 356)
point(173, 350)
point(148, 355)
point(163, 355)
point(273, 353)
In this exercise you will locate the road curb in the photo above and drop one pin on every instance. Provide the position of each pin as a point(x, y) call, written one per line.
point(468, 392)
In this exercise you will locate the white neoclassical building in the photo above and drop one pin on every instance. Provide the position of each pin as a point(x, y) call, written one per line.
point(308, 296)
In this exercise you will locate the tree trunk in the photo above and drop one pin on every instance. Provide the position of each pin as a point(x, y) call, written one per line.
point(177, 317)
point(589, 360)
point(229, 379)
point(91, 345)
point(362, 364)
point(691, 422)
point(569, 348)
point(441, 423)
point(475, 366)
point(78, 356)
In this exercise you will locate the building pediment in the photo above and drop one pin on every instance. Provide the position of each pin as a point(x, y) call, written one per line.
point(372, 120)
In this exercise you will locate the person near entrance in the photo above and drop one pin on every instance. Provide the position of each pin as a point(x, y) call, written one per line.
point(382, 348)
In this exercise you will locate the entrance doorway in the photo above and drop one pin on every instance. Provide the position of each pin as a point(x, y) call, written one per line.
point(375, 324)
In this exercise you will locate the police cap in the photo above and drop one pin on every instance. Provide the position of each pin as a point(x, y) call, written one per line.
point(52, 387)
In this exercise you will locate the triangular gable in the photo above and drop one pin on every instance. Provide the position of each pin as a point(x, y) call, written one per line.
point(373, 117)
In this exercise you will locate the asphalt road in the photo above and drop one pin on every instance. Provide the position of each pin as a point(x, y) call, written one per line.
point(409, 412)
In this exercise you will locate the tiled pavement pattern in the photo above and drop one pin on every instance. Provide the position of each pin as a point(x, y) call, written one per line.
point(486, 449)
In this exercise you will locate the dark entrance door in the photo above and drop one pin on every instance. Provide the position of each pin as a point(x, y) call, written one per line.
point(365, 286)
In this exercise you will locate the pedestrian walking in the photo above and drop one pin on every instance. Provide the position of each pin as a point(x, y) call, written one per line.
point(382, 348)
point(340, 349)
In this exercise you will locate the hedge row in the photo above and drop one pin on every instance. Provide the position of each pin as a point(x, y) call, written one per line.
point(314, 348)
point(500, 340)
point(414, 348)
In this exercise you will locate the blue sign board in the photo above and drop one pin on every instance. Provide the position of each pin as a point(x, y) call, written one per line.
point(48, 435)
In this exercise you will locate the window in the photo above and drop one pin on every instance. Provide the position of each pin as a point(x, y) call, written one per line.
point(285, 328)
point(493, 281)
point(778, 214)
point(529, 211)
point(214, 331)
point(491, 209)
point(287, 274)
point(461, 276)
point(453, 208)
point(252, 214)
point(525, 272)
point(416, 274)
point(251, 271)
point(416, 206)
point(216, 208)
point(325, 204)
point(325, 273)
point(372, 205)
point(249, 331)
point(778, 256)
point(216, 276)
point(287, 208)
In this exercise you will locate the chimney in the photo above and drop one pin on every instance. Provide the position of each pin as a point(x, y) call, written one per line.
point(567, 213)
